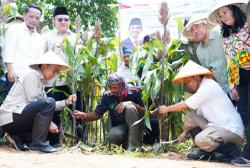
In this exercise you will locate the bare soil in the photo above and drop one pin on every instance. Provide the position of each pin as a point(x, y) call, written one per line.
point(10, 158)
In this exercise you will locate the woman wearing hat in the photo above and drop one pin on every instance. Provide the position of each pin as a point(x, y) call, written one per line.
point(222, 128)
point(26, 108)
point(230, 15)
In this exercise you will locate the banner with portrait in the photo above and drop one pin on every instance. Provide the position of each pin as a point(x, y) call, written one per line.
point(148, 13)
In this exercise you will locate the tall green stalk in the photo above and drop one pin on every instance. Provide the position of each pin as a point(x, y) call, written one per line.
point(159, 68)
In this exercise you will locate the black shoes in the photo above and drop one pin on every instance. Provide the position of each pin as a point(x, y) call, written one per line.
point(45, 148)
point(199, 154)
point(22, 146)
point(226, 152)
point(17, 142)
point(229, 151)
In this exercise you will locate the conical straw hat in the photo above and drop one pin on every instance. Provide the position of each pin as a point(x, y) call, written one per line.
point(50, 58)
point(196, 19)
point(191, 69)
point(214, 17)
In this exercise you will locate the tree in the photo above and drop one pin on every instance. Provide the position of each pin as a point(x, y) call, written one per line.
point(90, 11)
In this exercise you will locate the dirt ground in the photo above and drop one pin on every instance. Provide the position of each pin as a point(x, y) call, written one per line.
point(10, 158)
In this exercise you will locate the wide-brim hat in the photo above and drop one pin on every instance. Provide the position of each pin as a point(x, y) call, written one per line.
point(50, 58)
point(196, 19)
point(191, 69)
point(214, 17)
point(14, 19)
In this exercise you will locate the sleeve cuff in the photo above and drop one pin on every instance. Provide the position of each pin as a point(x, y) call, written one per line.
point(60, 105)
point(190, 104)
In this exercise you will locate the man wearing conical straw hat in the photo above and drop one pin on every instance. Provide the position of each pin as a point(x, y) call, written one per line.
point(26, 109)
point(222, 128)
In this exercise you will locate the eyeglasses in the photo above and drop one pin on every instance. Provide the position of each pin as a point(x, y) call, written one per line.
point(63, 19)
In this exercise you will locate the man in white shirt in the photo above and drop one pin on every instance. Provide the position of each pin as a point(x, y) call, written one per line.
point(124, 70)
point(222, 127)
point(22, 44)
point(26, 113)
point(53, 42)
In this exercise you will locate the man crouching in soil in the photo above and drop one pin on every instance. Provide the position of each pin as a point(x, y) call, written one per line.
point(221, 126)
point(125, 107)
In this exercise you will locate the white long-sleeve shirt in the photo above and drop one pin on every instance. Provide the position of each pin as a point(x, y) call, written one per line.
point(53, 42)
point(21, 46)
point(29, 87)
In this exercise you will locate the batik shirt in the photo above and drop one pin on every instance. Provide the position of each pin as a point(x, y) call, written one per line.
point(237, 51)
point(109, 103)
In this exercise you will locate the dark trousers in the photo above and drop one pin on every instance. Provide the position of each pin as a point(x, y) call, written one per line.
point(152, 136)
point(54, 138)
point(119, 133)
point(243, 107)
point(3, 94)
point(126, 134)
point(8, 84)
point(22, 124)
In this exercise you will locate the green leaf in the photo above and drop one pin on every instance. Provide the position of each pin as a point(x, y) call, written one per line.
point(90, 57)
point(180, 24)
point(7, 9)
point(149, 61)
point(137, 122)
point(147, 122)
point(157, 85)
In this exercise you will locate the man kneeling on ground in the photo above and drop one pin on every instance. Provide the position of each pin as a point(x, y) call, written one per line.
point(27, 112)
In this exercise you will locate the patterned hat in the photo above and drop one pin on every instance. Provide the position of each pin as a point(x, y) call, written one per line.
point(114, 79)
point(196, 19)
point(191, 69)
point(126, 50)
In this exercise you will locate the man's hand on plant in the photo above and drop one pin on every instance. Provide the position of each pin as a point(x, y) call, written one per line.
point(183, 136)
point(71, 99)
point(80, 115)
point(163, 109)
point(154, 113)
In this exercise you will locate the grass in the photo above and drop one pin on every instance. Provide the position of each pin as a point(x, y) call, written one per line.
point(144, 151)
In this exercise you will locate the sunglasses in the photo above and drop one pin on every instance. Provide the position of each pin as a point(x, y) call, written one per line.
point(63, 19)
